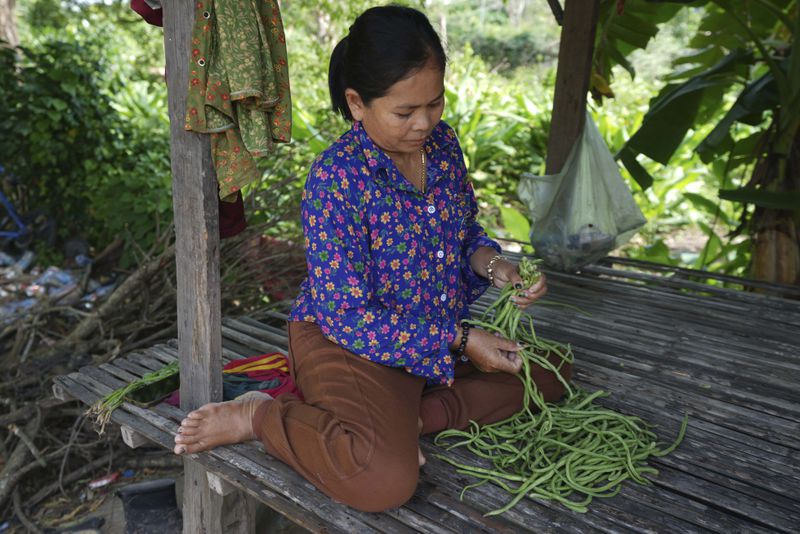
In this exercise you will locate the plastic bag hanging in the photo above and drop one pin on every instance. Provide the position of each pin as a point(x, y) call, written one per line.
point(585, 211)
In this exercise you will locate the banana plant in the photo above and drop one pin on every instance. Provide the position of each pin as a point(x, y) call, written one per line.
point(623, 27)
point(744, 52)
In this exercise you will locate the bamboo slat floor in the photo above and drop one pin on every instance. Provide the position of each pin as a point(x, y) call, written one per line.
point(658, 340)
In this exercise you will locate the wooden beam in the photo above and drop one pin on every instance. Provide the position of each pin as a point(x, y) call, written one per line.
point(572, 79)
point(195, 205)
point(132, 438)
point(194, 191)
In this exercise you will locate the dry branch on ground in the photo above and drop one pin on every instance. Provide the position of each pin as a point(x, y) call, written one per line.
point(46, 450)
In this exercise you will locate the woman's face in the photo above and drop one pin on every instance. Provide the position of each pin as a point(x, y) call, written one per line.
point(402, 119)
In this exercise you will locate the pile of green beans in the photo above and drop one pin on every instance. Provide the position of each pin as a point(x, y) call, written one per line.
point(570, 452)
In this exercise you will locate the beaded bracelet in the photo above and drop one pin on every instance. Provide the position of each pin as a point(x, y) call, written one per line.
point(463, 346)
point(490, 268)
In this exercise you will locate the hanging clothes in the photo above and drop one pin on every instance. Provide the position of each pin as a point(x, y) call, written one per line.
point(239, 86)
point(150, 11)
point(232, 219)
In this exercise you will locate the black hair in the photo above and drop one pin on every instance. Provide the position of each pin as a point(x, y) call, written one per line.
point(385, 45)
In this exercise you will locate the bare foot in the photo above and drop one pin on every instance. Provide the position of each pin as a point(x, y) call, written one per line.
point(218, 423)
point(422, 459)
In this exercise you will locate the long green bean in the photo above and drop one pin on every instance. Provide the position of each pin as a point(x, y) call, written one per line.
point(570, 452)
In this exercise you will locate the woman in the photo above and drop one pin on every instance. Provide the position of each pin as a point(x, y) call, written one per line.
point(394, 254)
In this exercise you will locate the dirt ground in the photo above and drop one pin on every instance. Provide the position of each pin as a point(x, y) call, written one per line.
point(109, 508)
point(55, 319)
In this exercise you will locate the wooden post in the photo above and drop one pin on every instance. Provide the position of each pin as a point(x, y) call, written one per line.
point(196, 215)
point(572, 79)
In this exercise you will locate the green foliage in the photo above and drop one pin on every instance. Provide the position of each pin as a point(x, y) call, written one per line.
point(626, 27)
point(40, 14)
point(87, 134)
point(672, 204)
point(53, 122)
point(506, 51)
point(85, 122)
point(742, 58)
point(502, 129)
point(131, 187)
point(515, 223)
point(658, 252)
point(757, 97)
point(137, 46)
point(497, 120)
point(729, 52)
point(506, 35)
point(678, 106)
point(785, 200)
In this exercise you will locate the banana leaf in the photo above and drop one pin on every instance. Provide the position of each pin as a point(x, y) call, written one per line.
point(619, 33)
point(676, 108)
point(758, 97)
point(783, 200)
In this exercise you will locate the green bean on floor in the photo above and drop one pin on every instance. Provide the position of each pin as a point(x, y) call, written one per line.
point(569, 452)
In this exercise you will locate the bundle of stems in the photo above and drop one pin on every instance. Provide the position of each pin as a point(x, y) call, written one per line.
point(570, 452)
point(103, 408)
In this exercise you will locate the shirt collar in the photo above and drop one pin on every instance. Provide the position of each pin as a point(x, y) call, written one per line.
point(375, 157)
point(383, 168)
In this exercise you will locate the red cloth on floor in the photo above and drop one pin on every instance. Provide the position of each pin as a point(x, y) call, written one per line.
point(263, 367)
point(266, 367)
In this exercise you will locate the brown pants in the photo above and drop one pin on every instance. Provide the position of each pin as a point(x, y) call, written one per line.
point(355, 436)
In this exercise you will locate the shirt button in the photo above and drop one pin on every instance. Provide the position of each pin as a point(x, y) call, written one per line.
point(431, 210)
point(440, 254)
point(443, 297)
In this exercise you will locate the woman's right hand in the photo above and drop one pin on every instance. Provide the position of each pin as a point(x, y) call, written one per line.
point(491, 353)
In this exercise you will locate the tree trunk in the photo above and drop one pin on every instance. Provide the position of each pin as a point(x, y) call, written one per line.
point(8, 24)
point(776, 248)
point(324, 26)
point(515, 9)
point(776, 256)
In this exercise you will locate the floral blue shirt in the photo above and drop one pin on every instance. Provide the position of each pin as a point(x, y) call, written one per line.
point(388, 267)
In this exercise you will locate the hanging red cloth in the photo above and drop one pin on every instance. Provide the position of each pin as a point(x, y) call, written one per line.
point(231, 217)
point(150, 14)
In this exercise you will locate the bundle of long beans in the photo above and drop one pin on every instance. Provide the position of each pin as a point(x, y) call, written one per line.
point(570, 452)
point(103, 408)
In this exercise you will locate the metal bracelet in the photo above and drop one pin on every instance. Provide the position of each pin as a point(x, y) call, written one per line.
point(490, 268)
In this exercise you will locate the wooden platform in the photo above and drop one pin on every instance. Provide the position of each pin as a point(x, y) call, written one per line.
point(662, 343)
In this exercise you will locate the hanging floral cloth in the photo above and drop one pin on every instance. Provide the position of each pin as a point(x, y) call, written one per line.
point(239, 86)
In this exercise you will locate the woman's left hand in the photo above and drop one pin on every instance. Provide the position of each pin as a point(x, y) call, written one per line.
point(507, 272)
